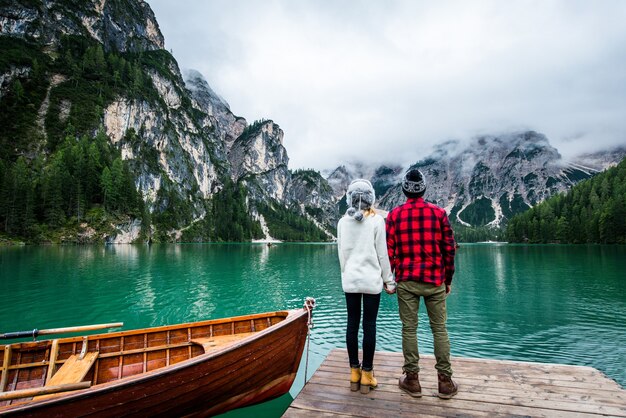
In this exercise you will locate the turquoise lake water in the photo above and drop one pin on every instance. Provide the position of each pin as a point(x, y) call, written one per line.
point(553, 304)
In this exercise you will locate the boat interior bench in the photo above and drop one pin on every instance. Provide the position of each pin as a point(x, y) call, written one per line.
point(218, 341)
point(74, 369)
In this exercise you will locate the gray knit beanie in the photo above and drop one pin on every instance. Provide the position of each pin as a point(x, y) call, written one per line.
point(360, 196)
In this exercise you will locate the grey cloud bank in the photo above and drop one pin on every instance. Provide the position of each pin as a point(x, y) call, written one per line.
point(385, 81)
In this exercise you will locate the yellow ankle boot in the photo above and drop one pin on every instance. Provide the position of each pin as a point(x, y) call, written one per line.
point(355, 378)
point(368, 381)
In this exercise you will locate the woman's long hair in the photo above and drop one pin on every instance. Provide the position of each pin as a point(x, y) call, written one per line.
point(369, 212)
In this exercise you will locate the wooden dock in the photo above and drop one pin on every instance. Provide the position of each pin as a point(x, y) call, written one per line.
point(487, 388)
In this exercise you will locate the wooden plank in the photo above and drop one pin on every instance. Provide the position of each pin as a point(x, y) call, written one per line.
point(386, 358)
point(486, 391)
point(54, 351)
point(601, 388)
point(404, 405)
point(281, 315)
point(74, 369)
point(486, 388)
point(5, 367)
point(517, 398)
point(508, 370)
point(144, 350)
point(45, 390)
point(470, 385)
point(306, 413)
point(212, 343)
point(313, 406)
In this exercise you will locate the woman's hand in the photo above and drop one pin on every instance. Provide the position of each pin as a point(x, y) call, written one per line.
point(389, 292)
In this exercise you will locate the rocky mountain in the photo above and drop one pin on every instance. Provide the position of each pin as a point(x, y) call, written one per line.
point(94, 110)
point(487, 180)
point(259, 160)
point(382, 178)
point(73, 69)
point(118, 26)
point(600, 160)
point(315, 196)
point(493, 177)
point(229, 126)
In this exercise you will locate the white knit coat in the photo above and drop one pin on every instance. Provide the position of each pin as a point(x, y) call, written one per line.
point(363, 255)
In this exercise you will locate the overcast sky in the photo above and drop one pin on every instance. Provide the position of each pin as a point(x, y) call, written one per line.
point(383, 81)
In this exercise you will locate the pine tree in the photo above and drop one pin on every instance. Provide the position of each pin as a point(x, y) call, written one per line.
point(107, 188)
point(53, 195)
point(118, 183)
point(593, 211)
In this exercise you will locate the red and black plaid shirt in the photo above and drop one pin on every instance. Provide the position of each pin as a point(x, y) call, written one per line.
point(420, 242)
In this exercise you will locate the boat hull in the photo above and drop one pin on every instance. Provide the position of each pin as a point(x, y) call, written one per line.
point(253, 370)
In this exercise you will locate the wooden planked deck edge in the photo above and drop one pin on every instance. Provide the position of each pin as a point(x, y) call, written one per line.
point(491, 388)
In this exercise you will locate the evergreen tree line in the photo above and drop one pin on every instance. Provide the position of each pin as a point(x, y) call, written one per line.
point(93, 79)
point(252, 128)
point(47, 193)
point(593, 211)
point(226, 218)
point(289, 225)
point(464, 233)
point(230, 218)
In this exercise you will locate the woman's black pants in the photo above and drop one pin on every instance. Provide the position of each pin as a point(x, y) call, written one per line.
point(370, 312)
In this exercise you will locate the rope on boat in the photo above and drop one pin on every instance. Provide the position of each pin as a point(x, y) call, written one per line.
point(309, 305)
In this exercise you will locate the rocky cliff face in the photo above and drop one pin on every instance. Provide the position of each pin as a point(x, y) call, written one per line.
point(169, 138)
point(172, 142)
point(382, 177)
point(228, 126)
point(259, 160)
point(316, 198)
point(128, 26)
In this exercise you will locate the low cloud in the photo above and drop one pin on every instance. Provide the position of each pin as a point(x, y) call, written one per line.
point(386, 81)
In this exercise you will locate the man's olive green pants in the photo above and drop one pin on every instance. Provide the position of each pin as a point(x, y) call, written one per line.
point(409, 294)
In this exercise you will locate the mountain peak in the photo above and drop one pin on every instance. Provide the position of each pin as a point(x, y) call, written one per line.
point(119, 26)
point(489, 178)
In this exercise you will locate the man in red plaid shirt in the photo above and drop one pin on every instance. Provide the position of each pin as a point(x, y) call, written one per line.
point(421, 250)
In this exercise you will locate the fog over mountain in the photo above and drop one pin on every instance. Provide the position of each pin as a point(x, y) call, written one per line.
point(387, 81)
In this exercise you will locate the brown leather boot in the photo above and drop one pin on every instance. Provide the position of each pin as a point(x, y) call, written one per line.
point(410, 383)
point(447, 387)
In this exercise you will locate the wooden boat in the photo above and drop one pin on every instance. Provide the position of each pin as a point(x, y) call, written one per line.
point(198, 369)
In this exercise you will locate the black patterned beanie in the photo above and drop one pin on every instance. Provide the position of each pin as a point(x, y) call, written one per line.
point(413, 183)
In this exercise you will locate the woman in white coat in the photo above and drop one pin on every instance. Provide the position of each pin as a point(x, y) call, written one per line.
point(365, 271)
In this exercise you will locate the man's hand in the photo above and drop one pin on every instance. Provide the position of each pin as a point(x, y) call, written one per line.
point(389, 292)
point(448, 288)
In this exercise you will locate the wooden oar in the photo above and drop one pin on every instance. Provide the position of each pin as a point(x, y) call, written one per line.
point(27, 393)
point(34, 333)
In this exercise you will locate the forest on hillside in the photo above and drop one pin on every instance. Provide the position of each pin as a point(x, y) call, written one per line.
point(593, 211)
point(85, 180)
point(62, 180)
